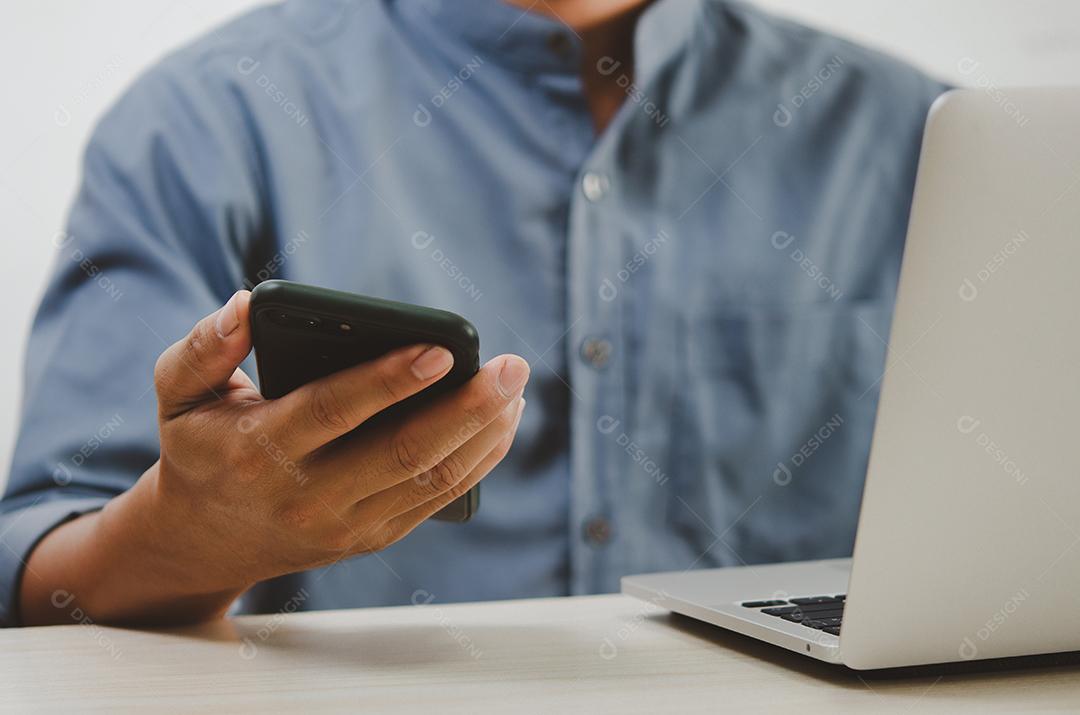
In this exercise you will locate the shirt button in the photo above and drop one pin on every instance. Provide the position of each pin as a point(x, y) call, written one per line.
point(598, 531)
point(559, 45)
point(596, 352)
point(594, 185)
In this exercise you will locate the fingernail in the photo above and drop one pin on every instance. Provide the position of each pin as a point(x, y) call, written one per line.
point(512, 376)
point(433, 361)
point(227, 319)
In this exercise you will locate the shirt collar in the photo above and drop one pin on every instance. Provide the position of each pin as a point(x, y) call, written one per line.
point(499, 32)
point(531, 42)
point(664, 33)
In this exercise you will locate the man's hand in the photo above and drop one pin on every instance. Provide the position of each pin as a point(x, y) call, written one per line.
point(248, 488)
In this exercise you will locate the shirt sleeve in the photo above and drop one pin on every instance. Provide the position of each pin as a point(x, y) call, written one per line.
point(168, 205)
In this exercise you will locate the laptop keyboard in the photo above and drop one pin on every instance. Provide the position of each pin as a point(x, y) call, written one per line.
point(822, 613)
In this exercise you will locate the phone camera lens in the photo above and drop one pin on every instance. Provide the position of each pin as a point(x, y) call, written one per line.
point(312, 322)
point(281, 318)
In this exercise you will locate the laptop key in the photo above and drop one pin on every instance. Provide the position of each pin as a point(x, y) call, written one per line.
point(821, 607)
point(762, 604)
point(833, 610)
point(823, 615)
point(807, 600)
point(821, 623)
point(798, 616)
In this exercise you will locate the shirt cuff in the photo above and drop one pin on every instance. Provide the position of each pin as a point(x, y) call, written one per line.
point(20, 532)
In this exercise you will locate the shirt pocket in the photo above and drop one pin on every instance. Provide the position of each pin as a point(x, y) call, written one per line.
point(784, 403)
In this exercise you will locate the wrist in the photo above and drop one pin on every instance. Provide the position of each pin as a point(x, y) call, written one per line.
point(152, 562)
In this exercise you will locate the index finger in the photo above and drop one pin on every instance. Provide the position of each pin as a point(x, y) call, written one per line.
point(410, 446)
point(323, 410)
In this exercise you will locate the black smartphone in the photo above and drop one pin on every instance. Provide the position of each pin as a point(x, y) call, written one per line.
point(302, 333)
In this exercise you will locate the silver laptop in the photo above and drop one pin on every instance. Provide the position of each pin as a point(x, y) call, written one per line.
point(968, 543)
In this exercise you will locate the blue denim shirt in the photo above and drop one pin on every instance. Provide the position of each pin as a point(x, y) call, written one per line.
point(702, 290)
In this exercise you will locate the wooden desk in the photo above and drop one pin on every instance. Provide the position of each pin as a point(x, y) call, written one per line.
point(595, 654)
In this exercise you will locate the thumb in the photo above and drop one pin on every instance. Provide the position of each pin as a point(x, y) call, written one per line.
point(198, 366)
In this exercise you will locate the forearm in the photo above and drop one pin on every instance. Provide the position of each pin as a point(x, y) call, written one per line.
point(122, 565)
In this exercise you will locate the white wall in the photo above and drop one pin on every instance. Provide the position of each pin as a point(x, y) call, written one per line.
point(64, 61)
point(1015, 42)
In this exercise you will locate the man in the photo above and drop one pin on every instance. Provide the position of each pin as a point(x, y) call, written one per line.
point(686, 215)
